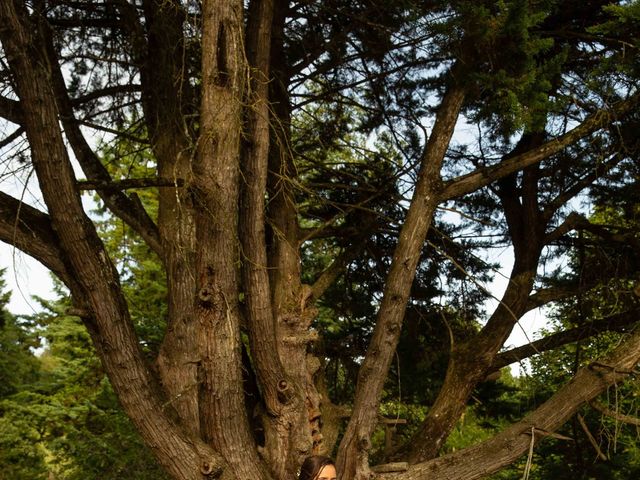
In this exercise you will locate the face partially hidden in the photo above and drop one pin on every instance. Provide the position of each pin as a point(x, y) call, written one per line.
point(328, 472)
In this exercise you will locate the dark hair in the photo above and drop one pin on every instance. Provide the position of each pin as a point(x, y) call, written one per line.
point(312, 466)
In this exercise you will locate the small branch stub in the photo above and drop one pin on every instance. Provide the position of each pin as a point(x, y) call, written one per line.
point(77, 312)
point(204, 295)
point(210, 470)
point(302, 338)
point(284, 392)
point(206, 468)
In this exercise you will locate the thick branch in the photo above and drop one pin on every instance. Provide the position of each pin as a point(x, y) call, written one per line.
point(129, 210)
point(619, 322)
point(29, 230)
point(105, 92)
point(544, 296)
point(570, 223)
point(11, 110)
point(621, 417)
point(11, 137)
point(352, 457)
point(117, 185)
point(473, 181)
point(490, 456)
point(628, 237)
point(470, 360)
point(252, 214)
point(282, 398)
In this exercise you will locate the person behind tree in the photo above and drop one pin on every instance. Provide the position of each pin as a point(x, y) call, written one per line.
point(318, 467)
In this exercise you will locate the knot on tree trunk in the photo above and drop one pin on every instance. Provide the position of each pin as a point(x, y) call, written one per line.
point(210, 470)
point(285, 392)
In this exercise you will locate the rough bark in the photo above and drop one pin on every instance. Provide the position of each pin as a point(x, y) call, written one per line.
point(292, 311)
point(167, 99)
point(108, 320)
point(281, 397)
point(223, 417)
point(352, 458)
point(129, 209)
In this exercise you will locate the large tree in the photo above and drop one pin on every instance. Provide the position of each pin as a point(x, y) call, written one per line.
point(276, 128)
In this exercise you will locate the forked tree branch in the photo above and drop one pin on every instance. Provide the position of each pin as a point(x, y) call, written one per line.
point(129, 210)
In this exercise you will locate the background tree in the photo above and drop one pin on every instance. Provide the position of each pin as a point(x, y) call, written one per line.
point(302, 151)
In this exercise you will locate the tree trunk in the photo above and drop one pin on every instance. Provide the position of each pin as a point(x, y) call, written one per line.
point(223, 417)
point(353, 454)
point(161, 63)
point(97, 279)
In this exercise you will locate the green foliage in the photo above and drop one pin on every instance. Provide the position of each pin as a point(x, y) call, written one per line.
point(21, 457)
point(18, 365)
point(519, 65)
point(623, 28)
point(58, 413)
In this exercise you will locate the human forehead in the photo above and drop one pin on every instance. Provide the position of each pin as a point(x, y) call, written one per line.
point(328, 472)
